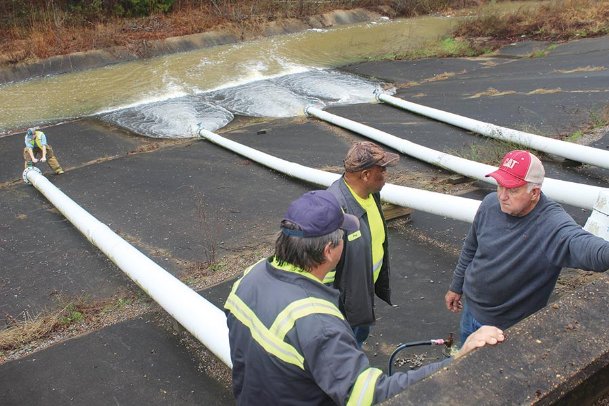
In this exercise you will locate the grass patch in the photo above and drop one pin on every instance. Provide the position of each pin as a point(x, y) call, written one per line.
point(543, 52)
point(491, 151)
point(597, 119)
point(573, 137)
point(77, 315)
point(449, 47)
point(554, 21)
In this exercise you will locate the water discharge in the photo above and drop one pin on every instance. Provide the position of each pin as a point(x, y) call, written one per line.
point(272, 77)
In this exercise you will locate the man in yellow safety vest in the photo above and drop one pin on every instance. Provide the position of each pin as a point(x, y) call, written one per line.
point(36, 146)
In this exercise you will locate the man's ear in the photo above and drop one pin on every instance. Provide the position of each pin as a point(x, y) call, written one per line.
point(536, 192)
point(330, 251)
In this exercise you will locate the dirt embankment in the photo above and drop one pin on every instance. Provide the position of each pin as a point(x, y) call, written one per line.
point(146, 49)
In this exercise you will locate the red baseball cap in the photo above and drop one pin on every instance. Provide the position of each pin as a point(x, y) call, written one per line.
point(517, 168)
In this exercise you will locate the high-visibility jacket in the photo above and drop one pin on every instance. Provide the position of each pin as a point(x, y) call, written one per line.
point(290, 344)
point(354, 278)
point(36, 140)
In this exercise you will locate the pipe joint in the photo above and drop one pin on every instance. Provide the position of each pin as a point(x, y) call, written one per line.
point(26, 171)
point(377, 93)
point(306, 110)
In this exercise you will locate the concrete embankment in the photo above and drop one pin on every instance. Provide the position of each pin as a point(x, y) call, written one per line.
point(148, 49)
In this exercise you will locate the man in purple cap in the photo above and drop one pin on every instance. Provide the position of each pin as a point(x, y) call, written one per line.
point(364, 267)
point(290, 344)
point(515, 249)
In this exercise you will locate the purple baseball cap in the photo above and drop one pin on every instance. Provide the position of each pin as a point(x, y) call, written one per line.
point(318, 213)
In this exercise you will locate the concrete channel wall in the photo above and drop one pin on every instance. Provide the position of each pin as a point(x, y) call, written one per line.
point(147, 49)
point(559, 355)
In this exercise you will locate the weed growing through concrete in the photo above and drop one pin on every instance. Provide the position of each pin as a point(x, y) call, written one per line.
point(543, 52)
point(209, 232)
point(575, 136)
point(597, 119)
point(71, 315)
point(489, 151)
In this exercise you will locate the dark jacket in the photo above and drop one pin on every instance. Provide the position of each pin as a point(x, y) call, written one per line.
point(291, 345)
point(354, 271)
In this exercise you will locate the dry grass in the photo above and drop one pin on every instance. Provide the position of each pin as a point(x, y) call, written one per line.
point(583, 69)
point(491, 92)
point(74, 318)
point(545, 91)
point(556, 20)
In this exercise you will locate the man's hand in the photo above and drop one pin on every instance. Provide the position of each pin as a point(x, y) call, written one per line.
point(453, 301)
point(34, 160)
point(485, 335)
point(43, 159)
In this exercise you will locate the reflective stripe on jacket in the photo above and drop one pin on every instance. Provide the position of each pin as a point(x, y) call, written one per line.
point(291, 345)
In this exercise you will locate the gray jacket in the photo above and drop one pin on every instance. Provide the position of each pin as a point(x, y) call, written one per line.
point(354, 271)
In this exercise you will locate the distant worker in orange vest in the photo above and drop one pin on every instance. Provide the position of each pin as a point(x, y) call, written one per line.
point(36, 145)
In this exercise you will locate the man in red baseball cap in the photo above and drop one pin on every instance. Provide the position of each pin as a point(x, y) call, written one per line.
point(519, 168)
point(515, 249)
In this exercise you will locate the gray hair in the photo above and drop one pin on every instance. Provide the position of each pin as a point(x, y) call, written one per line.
point(532, 185)
point(303, 252)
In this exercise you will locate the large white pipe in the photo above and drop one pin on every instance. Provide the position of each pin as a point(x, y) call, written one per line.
point(455, 207)
point(575, 152)
point(598, 222)
point(575, 194)
point(201, 318)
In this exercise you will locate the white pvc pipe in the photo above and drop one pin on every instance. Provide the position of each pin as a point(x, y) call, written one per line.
point(201, 318)
point(575, 152)
point(575, 194)
point(455, 207)
point(598, 222)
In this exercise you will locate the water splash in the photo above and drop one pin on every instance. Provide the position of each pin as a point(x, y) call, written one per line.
point(331, 86)
point(278, 96)
point(177, 118)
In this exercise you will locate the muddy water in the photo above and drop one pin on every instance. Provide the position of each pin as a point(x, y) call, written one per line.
point(169, 96)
